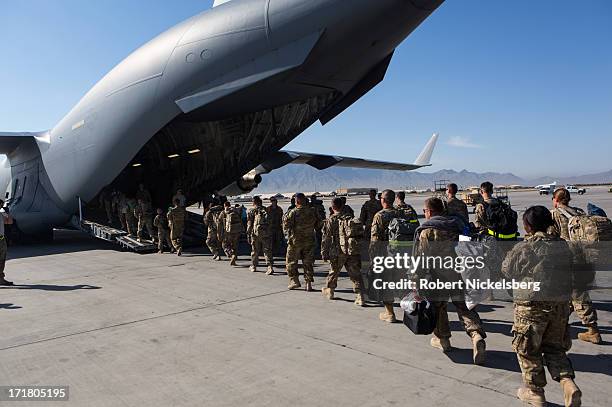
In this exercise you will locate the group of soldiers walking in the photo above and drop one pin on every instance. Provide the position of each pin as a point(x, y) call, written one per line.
point(540, 327)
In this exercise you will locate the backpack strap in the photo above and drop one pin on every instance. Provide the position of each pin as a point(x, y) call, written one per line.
point(565, 213)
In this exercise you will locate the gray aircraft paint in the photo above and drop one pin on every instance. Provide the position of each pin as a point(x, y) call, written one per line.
point(280, 63)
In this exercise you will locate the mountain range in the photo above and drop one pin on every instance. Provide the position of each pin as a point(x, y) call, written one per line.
point(305, 178)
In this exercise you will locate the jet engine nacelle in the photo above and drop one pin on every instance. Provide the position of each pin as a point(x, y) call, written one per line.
point(243, 185)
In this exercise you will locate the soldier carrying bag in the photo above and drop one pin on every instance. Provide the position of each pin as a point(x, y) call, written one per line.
point(351, 236)
point(261, 223)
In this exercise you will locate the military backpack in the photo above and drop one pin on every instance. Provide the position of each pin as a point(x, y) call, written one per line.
point(588, 228)
point(351, 233)
point(233, 222)
point(502, 221)
point(261, 222)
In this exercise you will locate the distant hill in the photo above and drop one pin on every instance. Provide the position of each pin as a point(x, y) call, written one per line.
point(304, 178)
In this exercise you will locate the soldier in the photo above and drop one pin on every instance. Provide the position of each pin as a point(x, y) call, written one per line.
point(232, 229)
point(541, 330)
point(368, 210)
point(144, 215)
point(407, 211)
point(181, 197)
point(379, 228)
point(318, 206)
point(210, 221)
point(455, 206)
point(292, 205)
point(430, 239)
point(5, 219)
point(486, 192)
point(300, 225)
point(117, 206)
point(581, 301)
point(258, 235)
point(163, 233)
point(143, 194)
point(346, 209)
point(341, 246)
point(129, 205)
point(106, 202)
point(177, 215)
point(275, 217)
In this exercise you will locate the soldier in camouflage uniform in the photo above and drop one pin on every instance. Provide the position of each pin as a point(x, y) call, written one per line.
point(129, 205)
point(379, 234)
point(275, 217)
point(211, 222)
point(300, 225)
point(368, 210)
point(177, 216)
point(407, 211)
point(581, 301)
point(430, 241)
point(346, 209)
point(258, 234)
point(163, 231)
point(144, 215)
point(455, 206)
point(341, 255)
point(231, 221)
point(481, 221)
point(541, 330)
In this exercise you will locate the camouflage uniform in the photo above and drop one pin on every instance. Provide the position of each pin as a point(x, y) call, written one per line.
point(300, 225)
point(541, 330)
point(230, 239)
point(127, 209)
point(259, 239)
point(581, 301)
point(275, 218)
point(176, 219)
point(481, 220)
point(332, 250)
point(163, 234)
point(144, 214)
point(347, 210)
point(456, 207)
point(430, 243)
point(212, 237)
point(368, 211)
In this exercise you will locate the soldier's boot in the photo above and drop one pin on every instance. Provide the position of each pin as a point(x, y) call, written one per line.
point(359, 301)
point(479, 349)
point(253, 269)
point(233, 260)
point(533, 396)
point(308, 288)
point(179, 251)
point(388, 315)
point(270, 271)
point(592, 335)
point(328, 293)
point(571, 393)
point(294, 284)
point(6, 283)
point(441, 343)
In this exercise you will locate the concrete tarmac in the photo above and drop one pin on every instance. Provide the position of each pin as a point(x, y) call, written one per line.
point(123, 329)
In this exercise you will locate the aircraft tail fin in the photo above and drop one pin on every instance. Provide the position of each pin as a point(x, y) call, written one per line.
point(10, 141)
point(219, 2)
point(424, 159)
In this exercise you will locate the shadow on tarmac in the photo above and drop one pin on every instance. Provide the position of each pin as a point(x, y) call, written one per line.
point(48, 287)
point(9, 306)
point(64, 241)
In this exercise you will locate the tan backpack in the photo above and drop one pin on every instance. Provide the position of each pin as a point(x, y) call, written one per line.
point(351, 231)
point(233, 222)
point(588, 228)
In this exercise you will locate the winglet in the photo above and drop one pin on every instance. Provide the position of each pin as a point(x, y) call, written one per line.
point(425, 157)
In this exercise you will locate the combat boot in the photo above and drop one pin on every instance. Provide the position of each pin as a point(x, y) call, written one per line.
point(441, 343)
point(592, 335)
point(253, 269)
point(270, 271)
point(532, 395)
point(233, 260)
point(388, 315)
point(308, 287)
point(328, 293)
point(479, 349)
point(571, 393)
point(179, 252)
point(359, 301)
point(294, 284)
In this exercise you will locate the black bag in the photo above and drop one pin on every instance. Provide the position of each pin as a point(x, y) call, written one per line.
point(421, 321)
point(502, 221)
point(402, 230)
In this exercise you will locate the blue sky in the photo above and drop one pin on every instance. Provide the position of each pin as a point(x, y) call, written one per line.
point(511, 86)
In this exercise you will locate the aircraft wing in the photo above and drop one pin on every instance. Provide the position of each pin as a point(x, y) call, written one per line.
point(322, 161)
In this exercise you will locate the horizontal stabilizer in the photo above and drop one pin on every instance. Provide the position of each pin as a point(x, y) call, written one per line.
point(219, 2)
point(10, 141)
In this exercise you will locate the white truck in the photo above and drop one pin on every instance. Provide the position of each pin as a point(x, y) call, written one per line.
point(573, 189)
